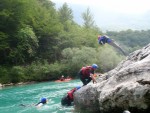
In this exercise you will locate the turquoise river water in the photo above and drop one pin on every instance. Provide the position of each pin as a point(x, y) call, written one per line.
point(12, 97)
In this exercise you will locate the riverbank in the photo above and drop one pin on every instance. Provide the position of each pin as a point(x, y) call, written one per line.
point(33, 82)
point(17, 84)
point(24, 83)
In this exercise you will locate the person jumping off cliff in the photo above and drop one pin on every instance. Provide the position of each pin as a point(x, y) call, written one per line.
point(105, 39)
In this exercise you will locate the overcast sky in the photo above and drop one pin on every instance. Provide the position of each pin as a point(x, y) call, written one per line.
point(113, 14)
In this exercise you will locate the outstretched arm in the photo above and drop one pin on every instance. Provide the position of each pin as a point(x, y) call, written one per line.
point(93, 78)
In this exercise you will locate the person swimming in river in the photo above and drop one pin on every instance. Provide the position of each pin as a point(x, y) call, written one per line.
point(42, 102)
point(103, 39)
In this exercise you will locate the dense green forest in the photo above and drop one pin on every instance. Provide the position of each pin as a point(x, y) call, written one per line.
point(39, 42)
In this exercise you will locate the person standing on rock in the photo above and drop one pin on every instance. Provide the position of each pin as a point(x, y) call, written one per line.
point(86, 74)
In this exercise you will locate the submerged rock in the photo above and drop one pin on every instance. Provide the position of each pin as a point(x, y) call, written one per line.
point(125, 87)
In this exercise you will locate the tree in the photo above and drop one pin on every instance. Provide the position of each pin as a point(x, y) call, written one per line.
point(66, 17)
point(65, 13)
point(108, 58)
point(42, 21)
point(88, 19)
point(75, 58)
point(4, 47)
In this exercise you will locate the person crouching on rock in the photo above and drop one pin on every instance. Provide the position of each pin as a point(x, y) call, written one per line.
point(68, 99)
point(86, 74)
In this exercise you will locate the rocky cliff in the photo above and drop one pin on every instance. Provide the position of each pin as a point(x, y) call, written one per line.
point(125, 87)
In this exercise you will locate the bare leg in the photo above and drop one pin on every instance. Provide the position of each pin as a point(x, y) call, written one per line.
point(117, 46)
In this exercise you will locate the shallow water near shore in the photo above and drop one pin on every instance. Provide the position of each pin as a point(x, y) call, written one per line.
point(12, 97)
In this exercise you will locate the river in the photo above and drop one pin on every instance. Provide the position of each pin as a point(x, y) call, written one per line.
point(12, 97)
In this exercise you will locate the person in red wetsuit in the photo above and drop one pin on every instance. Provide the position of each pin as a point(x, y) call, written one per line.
point(86, 74)
point(68, 99)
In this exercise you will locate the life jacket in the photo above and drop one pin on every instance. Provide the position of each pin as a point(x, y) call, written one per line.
point(70, 94)
point(86, 71)
point(104, 39)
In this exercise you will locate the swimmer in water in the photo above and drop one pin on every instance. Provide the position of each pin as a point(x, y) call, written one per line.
point(42, 102)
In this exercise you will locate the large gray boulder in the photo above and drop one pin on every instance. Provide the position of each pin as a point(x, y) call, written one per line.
point(127, 87)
